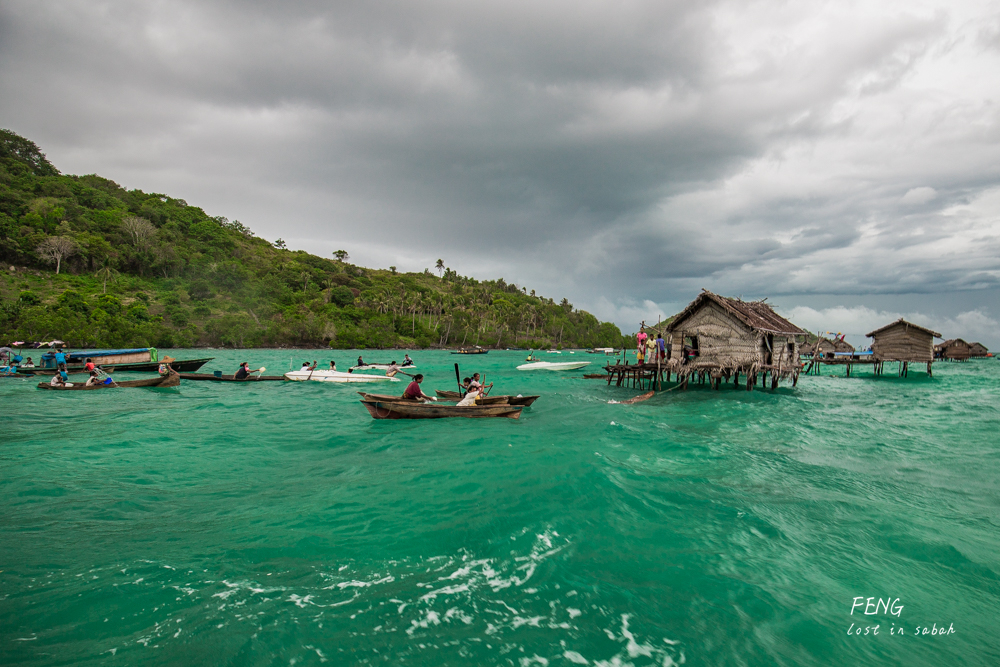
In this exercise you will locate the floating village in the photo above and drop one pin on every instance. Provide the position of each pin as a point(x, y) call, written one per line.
point(714, 340)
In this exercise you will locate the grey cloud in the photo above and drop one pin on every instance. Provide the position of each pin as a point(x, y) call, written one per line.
point(569, 146)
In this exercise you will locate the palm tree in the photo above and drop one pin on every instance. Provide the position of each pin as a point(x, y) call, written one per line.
point(107, 272)
point(328, 284)
point(440, 267)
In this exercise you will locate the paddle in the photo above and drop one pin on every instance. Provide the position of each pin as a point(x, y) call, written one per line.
point(260, 371)
point(458, 379)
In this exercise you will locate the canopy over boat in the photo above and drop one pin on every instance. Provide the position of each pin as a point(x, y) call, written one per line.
point(553, 366)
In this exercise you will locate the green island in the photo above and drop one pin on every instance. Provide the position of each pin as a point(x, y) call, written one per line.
point(91, 263)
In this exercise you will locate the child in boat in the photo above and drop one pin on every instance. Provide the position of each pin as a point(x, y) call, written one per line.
point(93, 379)
point(470, 398)
point(407, 361)
point(28, 364)
point(333, 365)
point(89, 366)
point(57, 381)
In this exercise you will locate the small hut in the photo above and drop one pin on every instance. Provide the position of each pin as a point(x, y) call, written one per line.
point(953, 349)
point(724, 337)
point(824, 347)
point(903, 342)
point(978, 350)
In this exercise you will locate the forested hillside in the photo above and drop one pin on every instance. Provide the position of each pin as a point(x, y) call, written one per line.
point(91, 263)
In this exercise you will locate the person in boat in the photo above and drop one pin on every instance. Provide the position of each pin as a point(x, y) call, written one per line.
point(392, 369)
point(94, 379)
point(16, 360)
point(361, 362)
point(28, 364)
point(407, 361)
point(470, 399)
point(89, 366)
point(476, 384)
point(58, 381)
point(60, 359)
point(307, 367)
point(243, 372)
point(414, 392)
point(333, 365)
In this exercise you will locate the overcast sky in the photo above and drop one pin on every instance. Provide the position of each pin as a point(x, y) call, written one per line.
point(841, 158)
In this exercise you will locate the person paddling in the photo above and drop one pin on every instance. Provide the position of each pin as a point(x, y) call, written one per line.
point(243, 373)
point(414, 392)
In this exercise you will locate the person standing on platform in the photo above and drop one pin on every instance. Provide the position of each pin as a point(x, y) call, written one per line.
point(651, 350)
point(640, 339)
point(60, 359)
point(661, 346)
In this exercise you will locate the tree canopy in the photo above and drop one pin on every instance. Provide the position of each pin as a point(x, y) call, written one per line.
point(138, 269)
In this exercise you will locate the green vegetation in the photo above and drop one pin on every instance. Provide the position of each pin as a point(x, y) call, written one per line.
point(91, 263)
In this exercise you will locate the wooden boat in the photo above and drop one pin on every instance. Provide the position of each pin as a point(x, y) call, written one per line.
point(487, 400)
point(595, 376)
point(524, 401)
point(336, 376)
point(184, 365)
point(471, 350)
point(170, 380)
point(553, 366)
point(407, 410)
point(210, 377)
point(381, 367)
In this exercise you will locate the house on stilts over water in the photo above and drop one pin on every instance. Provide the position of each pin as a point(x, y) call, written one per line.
point(953, 349)
point(719, 338)
point(977, 350)
point(824, 347)
point(903, 342)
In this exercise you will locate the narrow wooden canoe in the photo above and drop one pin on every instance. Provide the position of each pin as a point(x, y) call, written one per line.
point(209, 377)
point(404, 410)
point(595, 376)
point(511, 400)
point(145, 367)
point(487, 400)
point(171, 380)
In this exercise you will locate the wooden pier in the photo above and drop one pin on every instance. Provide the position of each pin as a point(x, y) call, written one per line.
point(652, 376)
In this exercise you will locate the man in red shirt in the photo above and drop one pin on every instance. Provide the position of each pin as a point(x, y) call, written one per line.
point(414, 392)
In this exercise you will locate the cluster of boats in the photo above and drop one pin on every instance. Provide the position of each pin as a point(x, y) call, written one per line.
point(380, 406)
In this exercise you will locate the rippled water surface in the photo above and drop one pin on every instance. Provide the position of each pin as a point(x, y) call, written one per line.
point(279, 524)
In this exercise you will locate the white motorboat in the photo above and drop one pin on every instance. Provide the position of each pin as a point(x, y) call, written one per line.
point(553, 366)
point(336, 376)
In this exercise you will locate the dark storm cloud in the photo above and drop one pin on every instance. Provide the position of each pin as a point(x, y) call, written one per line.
point(752, 148)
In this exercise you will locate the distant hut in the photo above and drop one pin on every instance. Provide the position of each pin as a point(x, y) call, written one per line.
point(903, 342)
point(978, 350)
point(953, 349)
point(724, 337)
point(824, 347)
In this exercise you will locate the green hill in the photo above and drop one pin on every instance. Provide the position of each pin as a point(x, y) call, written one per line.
point(91, 263)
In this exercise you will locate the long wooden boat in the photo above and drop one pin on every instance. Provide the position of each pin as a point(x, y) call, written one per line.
point(381, 367)
point(511, 400)
point(405, 410)
point(471, 350)
point(183, 365)
point(209, 377)
point(486, 400)
point(171, 380)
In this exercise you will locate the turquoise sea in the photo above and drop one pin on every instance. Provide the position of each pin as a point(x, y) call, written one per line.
point(279, 524)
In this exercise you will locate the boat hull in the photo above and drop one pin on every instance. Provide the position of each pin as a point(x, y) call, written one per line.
point(210, 377)
point(380, 367)
point(553, 366)
point(336, 376)
point(183, 366)
point(171, 380)
point(394, 410)
point(510, 400)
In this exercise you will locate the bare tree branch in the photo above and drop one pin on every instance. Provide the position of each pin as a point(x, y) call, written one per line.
point(56, 248)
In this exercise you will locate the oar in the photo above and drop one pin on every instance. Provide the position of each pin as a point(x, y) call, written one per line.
point(458, 379)
point(260, 371)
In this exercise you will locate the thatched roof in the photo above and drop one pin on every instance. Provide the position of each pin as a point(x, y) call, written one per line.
point(911, 325)
point(950, 343)
point(978, 348)
point(756, 315)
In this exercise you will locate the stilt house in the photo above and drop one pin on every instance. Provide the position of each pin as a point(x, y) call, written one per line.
point(978, 350)
point(904, 342)
point(953, 349)
point(727, 337)
point(825, 347)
